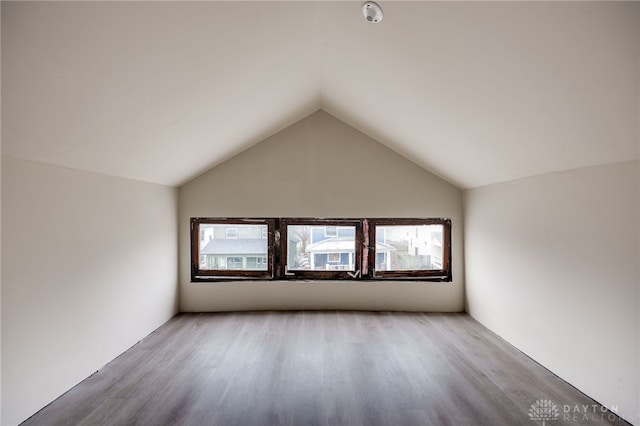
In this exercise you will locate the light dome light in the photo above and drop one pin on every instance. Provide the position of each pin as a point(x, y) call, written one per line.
point(372, 12)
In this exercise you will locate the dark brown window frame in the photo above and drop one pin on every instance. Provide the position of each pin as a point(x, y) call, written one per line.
point(321, 275)
point(364, 256)
point(443, 274)
point(198, 274)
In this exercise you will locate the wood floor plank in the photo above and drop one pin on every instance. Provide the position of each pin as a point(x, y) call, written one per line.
point(317, 368)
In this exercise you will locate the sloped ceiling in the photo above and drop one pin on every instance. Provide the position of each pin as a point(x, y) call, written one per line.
point(475, 92)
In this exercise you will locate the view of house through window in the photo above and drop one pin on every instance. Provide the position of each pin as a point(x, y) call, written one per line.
point(233, 247)
point(409, 247)
point(321, 248)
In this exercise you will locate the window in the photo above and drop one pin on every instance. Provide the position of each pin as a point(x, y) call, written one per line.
point(308, 249)
point(257, 263)
point(411, 248)
point(330, 231)
point(321, 248)
point(235, 263)
point(231, 248)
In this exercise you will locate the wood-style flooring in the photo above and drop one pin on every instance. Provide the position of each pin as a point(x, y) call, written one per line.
point(320, 368)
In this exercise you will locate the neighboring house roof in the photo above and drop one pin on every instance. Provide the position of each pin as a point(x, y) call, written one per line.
point(236, 246)
point(342, 245)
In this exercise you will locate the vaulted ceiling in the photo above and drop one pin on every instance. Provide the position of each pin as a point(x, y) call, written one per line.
point(475, 92)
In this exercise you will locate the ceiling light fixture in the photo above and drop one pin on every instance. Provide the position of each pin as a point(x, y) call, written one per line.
point(372, 12)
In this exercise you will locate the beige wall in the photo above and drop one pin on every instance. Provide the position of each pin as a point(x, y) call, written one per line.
point(552, 267)
point(89, 269)
point(0, 231)
point(320, 167)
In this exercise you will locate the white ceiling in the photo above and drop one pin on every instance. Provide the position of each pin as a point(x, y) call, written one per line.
point(475, 92)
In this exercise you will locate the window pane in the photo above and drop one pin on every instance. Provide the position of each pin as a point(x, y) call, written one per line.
point(233, 247)
point(409, 248)
point(321, 248)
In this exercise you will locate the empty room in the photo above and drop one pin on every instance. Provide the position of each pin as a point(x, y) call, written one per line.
point(320, 213)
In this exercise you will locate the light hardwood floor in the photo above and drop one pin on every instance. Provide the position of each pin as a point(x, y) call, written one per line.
point(319, 368)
